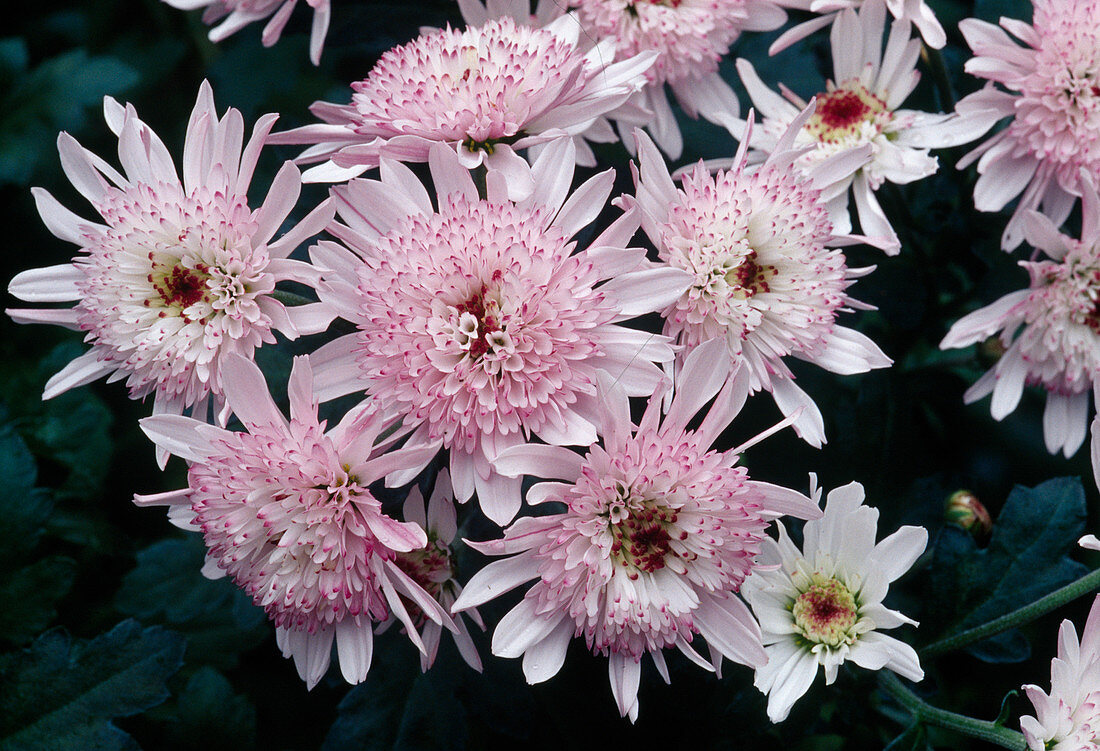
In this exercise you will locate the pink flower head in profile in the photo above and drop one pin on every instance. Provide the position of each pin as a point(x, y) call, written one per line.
point(433, 568)
point(862, 108)
point(822, 606)
point(1067, 718)
point(487, 92)
point(1050, 87)
point(658, 535)
point(690, 38)
point(286, 512)
point(766, 276)
point(916, 12)
point(1051, 332)
point(181, 273)
point(478, 321)
point(234, 15)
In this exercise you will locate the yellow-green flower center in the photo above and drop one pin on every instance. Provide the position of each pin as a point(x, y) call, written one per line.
point(826, 612)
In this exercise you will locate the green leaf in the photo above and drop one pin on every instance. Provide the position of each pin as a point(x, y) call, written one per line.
point(167, 587)
point(1027, 557)
point(29, 597)
point(24, 508)
point(369, 716)
point(915, 738)
point(1006, 708)
point(59, 695)
point(211, 716)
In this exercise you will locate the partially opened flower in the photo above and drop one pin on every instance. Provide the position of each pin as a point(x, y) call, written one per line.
point(1068, 718)
point(863, 107)
point(487, 91)
point(767, 277)
point(1050, 87)
point(234, 15)
point(1051, 332)
point(478, 321)
point(433, 568)
point(916, 12)
point(286, 512)
point(181, 273)
point(658, 534)
point(822, 606)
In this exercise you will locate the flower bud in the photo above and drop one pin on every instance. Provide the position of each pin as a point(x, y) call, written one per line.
point(963, 509)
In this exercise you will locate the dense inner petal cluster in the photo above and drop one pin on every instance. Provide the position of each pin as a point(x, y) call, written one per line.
point(649, 530)
point(173, 283)
point(690, 36)
point(431, 567)
point(1061, 338)
point(1058, 111)
point(756, 247)
point(826, 612)
point(282, 515)
point(478, 86)
point(479, 321)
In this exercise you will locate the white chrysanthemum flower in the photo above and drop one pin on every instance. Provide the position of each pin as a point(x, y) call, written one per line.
point(234, 15)
point(862, 107)
point(659, 532)
point(1051, 332)
point(916, 12)
point(1068, 718)
point(822, 606)
point(181, 273)
point(1051, 90)
point(768, 278)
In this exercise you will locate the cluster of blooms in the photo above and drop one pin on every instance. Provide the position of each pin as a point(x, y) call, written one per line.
point(483, 330)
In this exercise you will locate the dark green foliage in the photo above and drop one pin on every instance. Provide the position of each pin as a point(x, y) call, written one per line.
point(59, 695)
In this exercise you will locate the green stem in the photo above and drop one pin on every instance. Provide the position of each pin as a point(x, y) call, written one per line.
point(924, 712)
point(1056, 599)
point(934, 60)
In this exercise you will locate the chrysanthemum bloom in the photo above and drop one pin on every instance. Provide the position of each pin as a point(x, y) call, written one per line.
point(433, 568)
point(1051, 332)
point(181, 274)
point(860, 108)
point(478, 321)
point(488, 92)
point(767, 277)
point(659, 533)
point(690, 38)
point(1050, 91)
point(823, 606)
point(236, 14)
point(286, 512)
point(1068, 718)
point(916, 12)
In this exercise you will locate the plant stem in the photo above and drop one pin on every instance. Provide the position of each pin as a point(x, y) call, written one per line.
point(1056, 599)
point(934, 60)
point(926, 713)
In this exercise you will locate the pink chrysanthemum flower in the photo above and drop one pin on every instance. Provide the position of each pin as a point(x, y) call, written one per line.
point(862, 108)
point(659, 533)
point(286, 512)
point(236, 14)
point(916, 12)
point(488, 92)
point(433, 568)
point(478, 321)
point(822, 606)
point(181, 274)
point(1051, 89)
point(690, 37)
point(1051, 332)
point(1068, 718)
point(767, 277)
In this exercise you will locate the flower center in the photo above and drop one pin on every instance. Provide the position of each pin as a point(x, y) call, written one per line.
point(480, 328)
point(178, 286)
point(640, 532)
point(843, 112)
point(750, 278)
point(430, 567)
point(825, 613)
